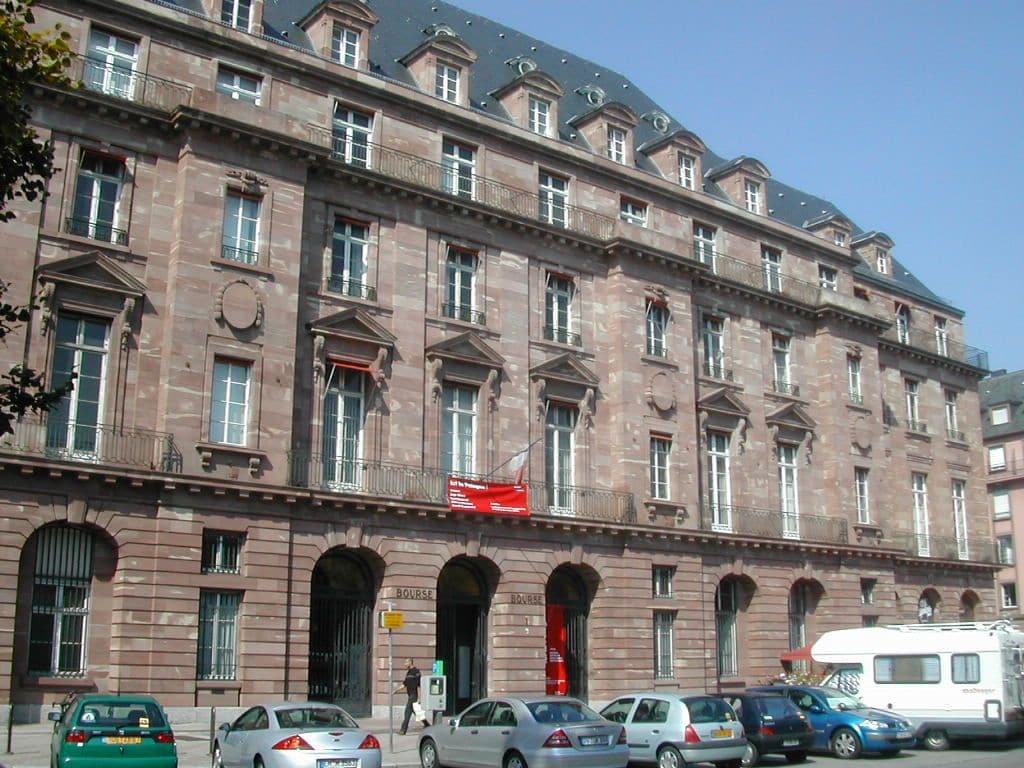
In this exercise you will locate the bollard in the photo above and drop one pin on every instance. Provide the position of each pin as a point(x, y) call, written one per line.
point(213, 728)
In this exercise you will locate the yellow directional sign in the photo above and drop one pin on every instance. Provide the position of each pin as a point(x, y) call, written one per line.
point(392, 619)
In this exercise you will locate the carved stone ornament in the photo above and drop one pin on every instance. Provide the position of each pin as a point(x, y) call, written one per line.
point(239, 306)
point(660, 392)
point(542, 403)
point(493, 388)
point(318, 357)
point(126, 321)
point(861, 435)
point(587, 408)
point(435, 367)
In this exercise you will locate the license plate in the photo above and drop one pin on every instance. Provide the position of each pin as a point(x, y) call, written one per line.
point(721, 733)
point(790, 742)
point(592, 741)
point(338, 762)
point(122, 739)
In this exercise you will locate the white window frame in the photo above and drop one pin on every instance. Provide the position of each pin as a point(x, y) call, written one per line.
point(1004, 549)
point(99, 192)
point(345, 45)
point(230, 401)
point(838, 238)
point(704, 249)
point(660, 458)
point(959, 502)
point(941, 336)
point(239, 85)
point(218, 634)
point(854, 377)
point(539, 119)
point(752, 195)
point(867, 591)
point(719, 482)
point(828, 278)
point(713, 343)
point(346, 402)
point(559, 306)
point(616, 144)
point(458, 429)
point(1008, 593)
point(661, 581)
point(952, 398)
point(1000, 503)
point(447, 82)
point(350, 244)
point(111, 63)
point(221, 552)
point(657, 328)
point(726, 626)
point(882, 261)
point(919, 492)
point(862, 494)
point(560, 457)
point(799, 606)
point(903, 323)
point(1000, 415)
point(461, 267)
point(996, 457)
point(687, 170)
point(633, 212)
point(351, 134)
point(553, 198)
point(782, 363)
point(663, 644)
point(771, 267)
point(242, 215)
point(458, 162)
point(789, 489)
point(75, 424)
point(912, 398)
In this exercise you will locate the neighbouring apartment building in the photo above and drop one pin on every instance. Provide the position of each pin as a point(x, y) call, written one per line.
point(309, 260)
point(1002, 419)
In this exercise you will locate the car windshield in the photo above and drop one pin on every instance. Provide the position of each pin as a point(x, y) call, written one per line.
point(310, 718)
point(120, 713)
point(837, 699)
point(565, 711)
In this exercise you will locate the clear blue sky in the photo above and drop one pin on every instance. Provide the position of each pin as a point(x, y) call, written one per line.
point(905, 114)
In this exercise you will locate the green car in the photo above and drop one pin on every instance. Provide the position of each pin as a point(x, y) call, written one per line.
point(105, 730)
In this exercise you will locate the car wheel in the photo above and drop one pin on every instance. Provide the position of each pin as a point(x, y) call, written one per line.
point(795, 757)
point(428, 754)
point(218, 759)
point(751, 756)
point(257, 762)
point(936, 739)
point(844, 744)
point(669, 757)
point(514, 760)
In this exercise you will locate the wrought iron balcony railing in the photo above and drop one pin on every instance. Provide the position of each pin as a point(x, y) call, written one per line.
point(773, 524)
point(856, 398)
point(956, 435)
point(755, 276)
point(980, 550)
point(102, 444)
point(717, 371)
point(438, 177)
point(919, 338)
point(464, 313)
point(386, 480)
point(562, 336)
point(356, 288)
point(127, 84)
point(241, 255)
point(95, 230)
point(915, 425)
point(786, 388)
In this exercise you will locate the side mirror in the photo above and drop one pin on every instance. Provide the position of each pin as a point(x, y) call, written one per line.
point(54, 716)
point(452, 722)
point(226, 727)
point(816, 709)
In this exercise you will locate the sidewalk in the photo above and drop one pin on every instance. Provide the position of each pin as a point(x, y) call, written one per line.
point(30, 745)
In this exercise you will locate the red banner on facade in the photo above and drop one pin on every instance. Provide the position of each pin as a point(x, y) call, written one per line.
point(494, 498)
point(556, 672)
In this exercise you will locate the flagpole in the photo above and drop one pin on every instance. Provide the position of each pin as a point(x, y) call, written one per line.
point(510, 458)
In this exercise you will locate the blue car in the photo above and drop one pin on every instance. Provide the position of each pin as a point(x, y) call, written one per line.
point(843, 725)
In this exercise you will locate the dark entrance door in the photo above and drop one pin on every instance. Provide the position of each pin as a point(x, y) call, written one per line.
point(462, 604)
point(340, 633)
point(567, 589)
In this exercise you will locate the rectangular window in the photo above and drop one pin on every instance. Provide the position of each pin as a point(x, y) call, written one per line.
point(345, 404)
point(663, 621)
point(789, 495)
point(616, 144)
point(966, 668)
point(719, 491)
point(1004, 549)
point(110, 63)
point(345, 45)
point(98, 191)
point(902, 324)
point(60, 602)
point(218, 634)
point(559, 458)
point(1000, 504)
point(941, 337)
point(661, 577)
point(911, 393)
point(853, 375)
point(882, 261)
point(458, 429)
point(919, 490)
point(687, 170)
point(239, 85)
point(540, 116)
point(553, 197)
point(869, 621)
point(828, 278)
point(633, 212)
point(348, 259)
point(446, 82)
point(781, 364)
point(727, 641)
point(771, 266)
point(1009, 595)
point(838, 238)
point(74, 428)
point(558, 310)
point(237, 13)
point(350, 135)
point(959, 494)
point(661, 449)
point(861, 490)
point(713, 338)
point(229, 415)
point(752, 196)
point(952, 416)
point(867, 591)
point(220, 552)
point(459, 169)
point(996, 458)
point(460, 278)
point(657, 328)
point(704, 244)
point(1000, 415)
point(907, 669)
point(241, 228)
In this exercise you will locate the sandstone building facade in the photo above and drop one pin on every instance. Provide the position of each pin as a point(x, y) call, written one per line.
point(310, 259)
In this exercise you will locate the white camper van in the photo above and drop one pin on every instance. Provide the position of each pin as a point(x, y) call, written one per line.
point(953, 681)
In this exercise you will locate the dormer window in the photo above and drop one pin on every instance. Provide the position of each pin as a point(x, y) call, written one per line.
point(446, 82)
point(345, 45)
point(882, 261)
point(838, 238)
point(237, 14)
point(752, 196)
point(540, 116)
point(687, 170)
point(616, 144)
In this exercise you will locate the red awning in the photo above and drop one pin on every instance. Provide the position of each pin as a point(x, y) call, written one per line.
point(798, 654)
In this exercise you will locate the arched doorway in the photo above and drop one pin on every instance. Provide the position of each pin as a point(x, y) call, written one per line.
point(568, 606)
point(969, 602)
point(341, 632)
point(463, 601)
point(928, 606)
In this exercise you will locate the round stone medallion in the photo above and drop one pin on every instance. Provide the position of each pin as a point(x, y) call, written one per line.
point(240, 305)
point(660, 392)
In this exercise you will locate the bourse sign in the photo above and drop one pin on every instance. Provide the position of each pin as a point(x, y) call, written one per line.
point(492, 498)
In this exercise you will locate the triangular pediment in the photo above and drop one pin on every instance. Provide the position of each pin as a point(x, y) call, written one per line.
point(93, 270)
point(678, 139)
point(566, 368)
point(468, 348)
point(793, 417)
point(354, 325)
point(725, 402)
point(444, 44)
point(348, 10)
point(536, 80)
point(610, 110)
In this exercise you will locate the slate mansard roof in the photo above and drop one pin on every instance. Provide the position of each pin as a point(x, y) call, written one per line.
point(1003, 389)
point(404, 25)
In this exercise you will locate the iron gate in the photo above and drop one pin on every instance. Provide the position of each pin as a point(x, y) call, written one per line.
point(340, 652)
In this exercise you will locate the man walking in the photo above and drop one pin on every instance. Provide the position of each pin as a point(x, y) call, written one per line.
point(411, 685)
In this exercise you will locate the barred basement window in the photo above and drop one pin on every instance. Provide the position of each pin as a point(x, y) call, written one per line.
point(220, 552)
point(218, 635)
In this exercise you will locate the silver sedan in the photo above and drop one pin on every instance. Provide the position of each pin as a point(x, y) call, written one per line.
point(295, 734)
point(535, 732)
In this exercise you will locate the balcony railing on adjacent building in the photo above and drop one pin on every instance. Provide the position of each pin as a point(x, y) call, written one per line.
point(101, 444)
point(347, 287)
point(754, 276)
point(128, 85)
point(95, 230)
point(773, 524)
point(717, 371)
point(463, 312)
point(1011, 468)
point(919, 338)
point(945, 547)
point(562, 336)
point(385, 480)
point(438, 177)
point(786, 388)
point(916, 425)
